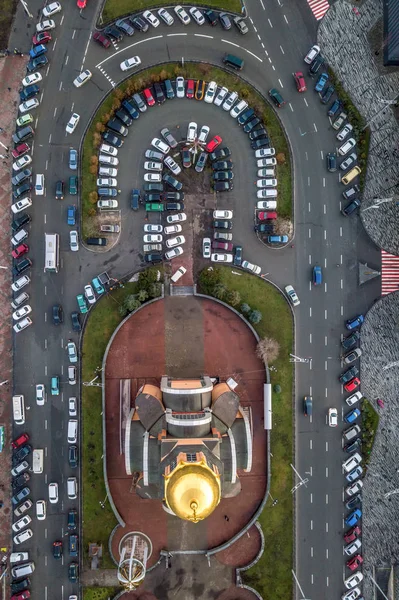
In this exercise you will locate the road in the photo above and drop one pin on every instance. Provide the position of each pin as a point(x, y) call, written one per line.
point(275, 50)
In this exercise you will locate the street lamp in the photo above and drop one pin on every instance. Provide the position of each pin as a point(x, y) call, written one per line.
point(386, 103)
point(378, 202)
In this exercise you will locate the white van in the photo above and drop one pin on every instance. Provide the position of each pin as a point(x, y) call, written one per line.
point(39, 185)
point(72, 431)
point(23, 570)
point(72, 375)
point(72, 488)
point(37, 461)
point(18, 409)
point(179, 273)
point(19, 237)
point(20, 283)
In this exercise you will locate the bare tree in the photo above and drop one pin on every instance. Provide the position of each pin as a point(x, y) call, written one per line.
point(268, 350)
point(283, 226)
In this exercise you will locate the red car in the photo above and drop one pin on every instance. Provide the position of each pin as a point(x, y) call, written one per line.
point(101, 39)
point(20, 250)
point(267, 216)
point(352, 384)
point(148, 97)
point(352, 534)
point(300, 82)
point(222, 246)
point(20, 441)
point(41, 38)
point(81, 3)
point(190, 89)
point(21, 595)
point(355, 562)
point(20, 150)
point(214, 143)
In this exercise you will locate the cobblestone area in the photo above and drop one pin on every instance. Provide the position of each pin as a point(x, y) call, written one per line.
point(344, 39)
point(380, 370)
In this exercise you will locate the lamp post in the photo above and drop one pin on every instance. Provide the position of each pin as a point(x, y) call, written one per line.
point(378, 202)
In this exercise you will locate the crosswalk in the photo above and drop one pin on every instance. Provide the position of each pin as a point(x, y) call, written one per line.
point(389, 273)
point(318, 8)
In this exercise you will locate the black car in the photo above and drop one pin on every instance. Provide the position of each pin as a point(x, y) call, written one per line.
point(265, 228)
point(112, 139)
point(22, 134)
point(153, 187)
point(59, 190)
point(153, 197)
point(348, 375)
point(334, 108)
point(21, 176)
point(20, 586)
point(72, 518)
point(223, 175)
point(223, 225)
point(258, 133)
point(353, 446)
point(331, 159)
point(73, 572)
point(237, 256)
point(113, 33)
point(222, 186)
point(159, 93)
point(58, 316)
point(22, 266)
point(220, 153)
point(29, 92)
point(245, 116)
point(124, 117)
point(130, 109)
point(153, 258)
point(73, 545)
point(76, 326)
point(326, 97)
point(118, 127)
point(251, 124)
point(307, 406)
point(139, 24)
point(351, 207)
point(20, 481)
point(211, 17)
point(73, 456)
point(173, 196)
point(316, 64)
point(19, 455)
point(20, 222)
point(57, 550)
point(353, 502)
point(222, 165)
point(124, 26)
point(351, 341)
point(174, 206)
point(37, 63)
point(263, 142)
point(95, 241)
point(21, 190)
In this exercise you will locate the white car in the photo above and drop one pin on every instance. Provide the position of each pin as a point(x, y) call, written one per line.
point(107, 203)
point(180, 89)
point(311, 55)
point(108, 160)
point(151, 18)
point(267, 193)
point(347, 147)
point(266, 162)
point(31, 79)
point(203, 134)
point(166, 16)
point(22, 324)
point(354, 398)
point(354, 488)
point(206, 248)
point(51, 9)
point(172, 165)
point(169, 229)
point(149, 228)
point(332, 417)
point(22, 162)
point(153, 177)
point(174, 253)
point(263, 173)
point(197, 15)
point(41, 395)
point(222, 258)
point(28, 105)
point(352, 547)
point(250, 267)
point(181, 13)
point(266, 204)
point(21, 205)
point(45, 25)
point(150, 165)
point(72, 352)
point(153, 238)
point(20, 283)
point(353, 580)
point(191, 131)
point(352, 594)
point(348, 162)
point(16, 557)
point(107, 182)
point(107, 149)
point(352, 462)
point(89, 293)
point(20, 313)
point(53, 493)
point(72, 123)
point(129, 63)
point(176, 241)
point(74, 241)
point(344, 132)
point(265, 183)
point(264, 152)
point(221, 96)
point(160, 145)
point(20, 468)
point(22, 508)
point(23, 537)
point(107, 171)
point(82, 78)
point(210, 92)
point(21, 523)
point(41, 510)
point(72, 407)
point(228, 103)
point(222, 214)
point(291, 293)
point(238, 109)
point(177, 218)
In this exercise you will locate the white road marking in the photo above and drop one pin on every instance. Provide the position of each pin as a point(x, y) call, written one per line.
point(311, 525)
point(73, 33)
point(310, 390)
point(263, 45)
point(263, 6)
point(310, 233)
point(321, 154)
point(310, 311)
point(66, 60)
point(49, 138)
point(45, 345)
point(270, 23)
point(327, 451)
point(210, 37)
point(45, 533)
point(310, 338)
point(327, 581)
point(325, 287)
point(285, 19)
point(306, 155)
point(289, 104)
point(231, 43)
point(326, 471)
point(273, 67)
point(308, 206)
point(60, 86)
point(327, 553)
point(55, 112)
point(145, 40)
point(311, 551)
point(252, 54)
point(310, 444)
point(342, 311)
point(55, 43)
point(311, 498)
point(45, 424)
point(325, 234)
point(281, 48)
point(173, 35)
point(306, 102)
point(325, 314)
point(324, 182)
point(281, 85)
point(325, 340)
point(255, 30)
point(315, 128)
point(342, 284)
point(47, 70)
point(340, 229)
point(325, 209)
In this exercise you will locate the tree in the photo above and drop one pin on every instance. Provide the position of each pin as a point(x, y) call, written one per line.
point(96, 139)
point(245, 308)
point(277, 388)
point(94, 160)
point(267, 349)
point(244, 93)
point(204, 68)
point(119, 94)
point(208, 279)
point(100, 127)
point(131, 303)
point(163, 74)
point(93, 197)
point(91, 212)
point(255, 317)
point(219, 291)
point(93, 169)
point(234, 298)
point(147, 277)
point(283, 227)
point(155, 289)
point(142, 295)
point(280, 158)
point(123, 310)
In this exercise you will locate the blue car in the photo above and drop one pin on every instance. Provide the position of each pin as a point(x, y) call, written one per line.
point(355, 322)
point(334, 108)
point(71, 215)
point(317, 275)
point(37, 51)
point(355, 474)
point(29, 92)
point(97, 286)
point(277, 239)
point(353, 518)
point(321, 82)
point(73, 159)
point(351, 416)
point(55, 386)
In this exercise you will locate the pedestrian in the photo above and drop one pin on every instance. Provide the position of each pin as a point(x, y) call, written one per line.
point(7, 148)
point(226, 518)
point(9, 89)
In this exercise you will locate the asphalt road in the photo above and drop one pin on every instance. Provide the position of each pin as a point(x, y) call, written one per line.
point(283, 35)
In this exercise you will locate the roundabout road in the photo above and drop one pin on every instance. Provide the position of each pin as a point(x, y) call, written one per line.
point(322, 236)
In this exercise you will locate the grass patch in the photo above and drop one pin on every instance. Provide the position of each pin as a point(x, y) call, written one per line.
point(99, 593)
point(7, 10)
point(370, 420)
point(170, 71)
point(114, 9)
point(271, 577)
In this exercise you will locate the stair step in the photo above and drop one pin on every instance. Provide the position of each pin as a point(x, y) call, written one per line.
point(182, 290)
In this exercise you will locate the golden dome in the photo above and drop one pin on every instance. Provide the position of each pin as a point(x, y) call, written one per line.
point(192, 491)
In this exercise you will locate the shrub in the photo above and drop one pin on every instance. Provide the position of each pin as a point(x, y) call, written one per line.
point(245, 309)
point(142, 295)
point(91, 212)
point(280, 158)
point(146, 278)
point(219, 291)
point(208, 279)
point(155, 289)
point(267, 349)
point(277, 388)
point(131, 303)
point(93, 197)
point(255, 317)
point(233, 298)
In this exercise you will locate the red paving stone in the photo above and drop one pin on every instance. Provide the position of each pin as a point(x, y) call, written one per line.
point(138, 353)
